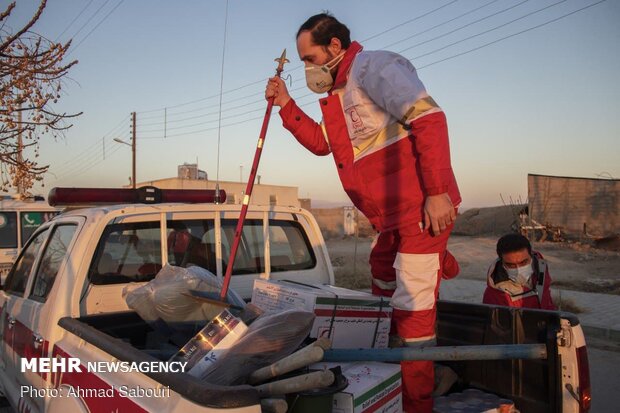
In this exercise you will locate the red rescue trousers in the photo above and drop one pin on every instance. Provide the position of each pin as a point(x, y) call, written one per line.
point(407, 265)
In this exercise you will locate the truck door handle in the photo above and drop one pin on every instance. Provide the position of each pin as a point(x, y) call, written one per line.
point(11, 322)
point(37, 339)
point(570, 389)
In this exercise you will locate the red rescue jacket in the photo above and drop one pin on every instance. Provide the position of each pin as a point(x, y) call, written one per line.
point(388, 137)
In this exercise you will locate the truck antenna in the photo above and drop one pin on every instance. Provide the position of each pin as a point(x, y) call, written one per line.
point(219, 120)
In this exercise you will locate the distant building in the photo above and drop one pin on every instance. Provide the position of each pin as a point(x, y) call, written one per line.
point(577, 205)
point(306, 203)
point(190, 177)
point(191, 171)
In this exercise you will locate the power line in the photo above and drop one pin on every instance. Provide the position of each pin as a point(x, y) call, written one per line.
point(84, 161)
point(74, 20)
point(209, 121)
point(449, 21)
point(229, 124)
point(93, 150)
point(212, 121)
point(262, 94)
point(201, 116)
point(96, 145)
point(514, 34)
point(91, 165)
point(203, 99)
point(208, 129)
point(90, 18)
point(91, 159)
point(261, 109)
point(185, 112)
point(484, 32)
point(407, 22)
point(98, 24)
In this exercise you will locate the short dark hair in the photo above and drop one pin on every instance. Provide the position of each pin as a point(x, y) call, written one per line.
point(323, 27)
point(512, 243)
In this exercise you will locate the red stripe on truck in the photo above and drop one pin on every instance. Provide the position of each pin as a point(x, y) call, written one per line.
point(24, 345)
point(88, 380)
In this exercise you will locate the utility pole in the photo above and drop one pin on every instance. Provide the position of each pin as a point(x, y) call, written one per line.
point(20, 158)
point(133, 150)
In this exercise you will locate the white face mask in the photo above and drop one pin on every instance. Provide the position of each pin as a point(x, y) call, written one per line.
point(319, 77)
point(520, 275)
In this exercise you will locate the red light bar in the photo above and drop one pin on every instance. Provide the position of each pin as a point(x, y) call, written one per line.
point(144, 195)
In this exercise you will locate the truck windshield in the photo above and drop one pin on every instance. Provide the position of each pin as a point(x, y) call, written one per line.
point(8, 230)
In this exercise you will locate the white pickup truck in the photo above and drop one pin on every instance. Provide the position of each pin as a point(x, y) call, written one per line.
point(62, 300)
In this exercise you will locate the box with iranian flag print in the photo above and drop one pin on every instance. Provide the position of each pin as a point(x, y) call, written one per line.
point(351, 319)
point(373, 387)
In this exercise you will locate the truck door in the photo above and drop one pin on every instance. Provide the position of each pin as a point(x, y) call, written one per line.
point(39, 306)
point(14, 332)
point(8, 242)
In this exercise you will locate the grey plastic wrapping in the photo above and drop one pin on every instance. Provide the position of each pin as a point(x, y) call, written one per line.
point(270, 338)
point(163, 302)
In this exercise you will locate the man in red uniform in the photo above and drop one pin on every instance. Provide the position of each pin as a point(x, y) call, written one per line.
point(389, 140)
point(519, 277)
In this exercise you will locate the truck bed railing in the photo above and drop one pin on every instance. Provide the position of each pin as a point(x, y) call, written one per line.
point(446, 353)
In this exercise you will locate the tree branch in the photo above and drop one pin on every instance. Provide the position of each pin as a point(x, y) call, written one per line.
point(24, 29)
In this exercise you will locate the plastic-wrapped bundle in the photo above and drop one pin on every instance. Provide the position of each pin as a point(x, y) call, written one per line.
point(270, 338)
point(164, 302)
point(471, 401)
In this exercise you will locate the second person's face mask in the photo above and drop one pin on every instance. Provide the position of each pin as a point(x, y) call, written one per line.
point(520, 275)
point(319, 77)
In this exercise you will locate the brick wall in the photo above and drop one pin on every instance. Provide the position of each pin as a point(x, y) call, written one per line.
point(572, 203)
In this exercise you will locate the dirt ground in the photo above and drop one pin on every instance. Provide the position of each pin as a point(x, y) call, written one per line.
point(572, 266)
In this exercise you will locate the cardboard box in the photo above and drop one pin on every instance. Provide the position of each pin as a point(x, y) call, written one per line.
point(210, 343)
point(351, 319)
point(373, 387)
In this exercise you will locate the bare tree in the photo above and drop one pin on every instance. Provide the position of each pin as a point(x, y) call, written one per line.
point(31, 81)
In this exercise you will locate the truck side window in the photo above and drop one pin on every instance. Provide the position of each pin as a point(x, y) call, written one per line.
point(127, 252)
point(18, 277)
point(8, 229)
point(31, 220)
point(290, 248)
point(51, 259)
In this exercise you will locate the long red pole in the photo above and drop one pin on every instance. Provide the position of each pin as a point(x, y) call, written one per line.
point(250, 185)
